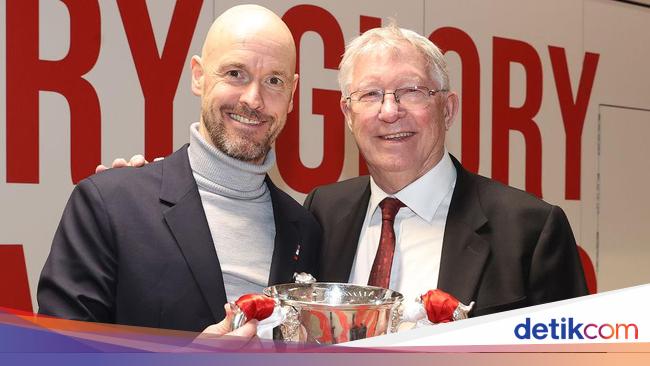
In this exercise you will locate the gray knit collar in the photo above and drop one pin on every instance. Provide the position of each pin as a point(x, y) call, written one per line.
point(219, 173)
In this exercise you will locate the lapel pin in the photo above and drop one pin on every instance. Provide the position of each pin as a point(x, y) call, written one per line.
point(297, 254)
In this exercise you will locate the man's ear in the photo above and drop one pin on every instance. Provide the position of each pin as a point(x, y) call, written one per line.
point(345, 108)
point(197, 75)
point(293, 91)
point(450, 108)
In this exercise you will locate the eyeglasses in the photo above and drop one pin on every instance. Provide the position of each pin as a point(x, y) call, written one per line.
point(370, 100)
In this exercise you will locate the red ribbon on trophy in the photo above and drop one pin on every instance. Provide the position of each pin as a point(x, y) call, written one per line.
point(442, 307)
point(255, 306)
point(436, 306)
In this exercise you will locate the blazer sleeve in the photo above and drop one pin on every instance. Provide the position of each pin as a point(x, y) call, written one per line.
point(79, 276)
point(556, 271)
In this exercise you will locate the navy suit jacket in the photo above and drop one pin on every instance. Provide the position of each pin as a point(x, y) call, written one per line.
point(134, 247)
point(502, 247)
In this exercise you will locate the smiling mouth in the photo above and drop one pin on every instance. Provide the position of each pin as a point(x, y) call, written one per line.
point(247, 121)
point(397, 136)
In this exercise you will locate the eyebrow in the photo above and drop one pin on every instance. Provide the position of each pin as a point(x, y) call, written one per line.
point(239, 65)
point(403, 84)
point(280, 73)
point(236, 65)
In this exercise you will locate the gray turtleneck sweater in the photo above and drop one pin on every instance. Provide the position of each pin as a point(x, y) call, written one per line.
point(237, 204)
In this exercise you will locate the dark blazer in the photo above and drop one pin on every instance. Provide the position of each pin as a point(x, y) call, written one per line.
point(502, 247)
point(134, 247)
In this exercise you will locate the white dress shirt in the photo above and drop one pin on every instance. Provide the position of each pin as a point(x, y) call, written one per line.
point(419, 230)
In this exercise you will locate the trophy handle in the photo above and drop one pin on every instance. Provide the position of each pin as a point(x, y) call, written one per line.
point(290, 327)
point(239, 319)
point(396, 316)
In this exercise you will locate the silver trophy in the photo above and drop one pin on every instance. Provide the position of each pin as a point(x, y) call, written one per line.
point(329, 313)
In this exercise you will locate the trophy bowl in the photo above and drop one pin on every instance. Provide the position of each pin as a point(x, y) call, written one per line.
point(329, 313)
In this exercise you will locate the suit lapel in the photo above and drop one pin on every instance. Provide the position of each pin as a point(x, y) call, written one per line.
point(344, 236)
point(287, 237)
point(464, 251)
point(184, 214)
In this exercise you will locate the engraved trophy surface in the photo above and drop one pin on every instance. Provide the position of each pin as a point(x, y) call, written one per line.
point(329, 313)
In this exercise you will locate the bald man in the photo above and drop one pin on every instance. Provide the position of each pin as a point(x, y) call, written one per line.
point(168, 245)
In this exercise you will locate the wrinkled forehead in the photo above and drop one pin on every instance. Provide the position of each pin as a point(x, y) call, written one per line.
point(254, 53)
point(390, 65)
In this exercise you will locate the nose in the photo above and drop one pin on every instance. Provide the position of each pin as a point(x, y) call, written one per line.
point(390, 110)
point(252, 97)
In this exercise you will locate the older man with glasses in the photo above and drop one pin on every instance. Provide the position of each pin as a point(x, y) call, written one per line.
point(421, 221)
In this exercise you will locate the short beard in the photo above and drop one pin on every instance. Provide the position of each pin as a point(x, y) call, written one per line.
point(241, 147)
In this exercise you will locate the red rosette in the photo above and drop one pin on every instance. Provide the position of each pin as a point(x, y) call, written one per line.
point(439, 305)
point(256, 306)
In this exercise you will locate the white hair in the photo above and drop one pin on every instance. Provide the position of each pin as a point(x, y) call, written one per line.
point(392, 38)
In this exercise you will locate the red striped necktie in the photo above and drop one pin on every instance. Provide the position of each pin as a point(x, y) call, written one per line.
point(380, 273)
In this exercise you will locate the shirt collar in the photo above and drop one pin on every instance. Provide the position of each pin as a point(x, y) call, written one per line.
point(423, 196)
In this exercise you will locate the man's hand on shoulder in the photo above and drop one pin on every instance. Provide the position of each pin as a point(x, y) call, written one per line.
point(136, 161)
